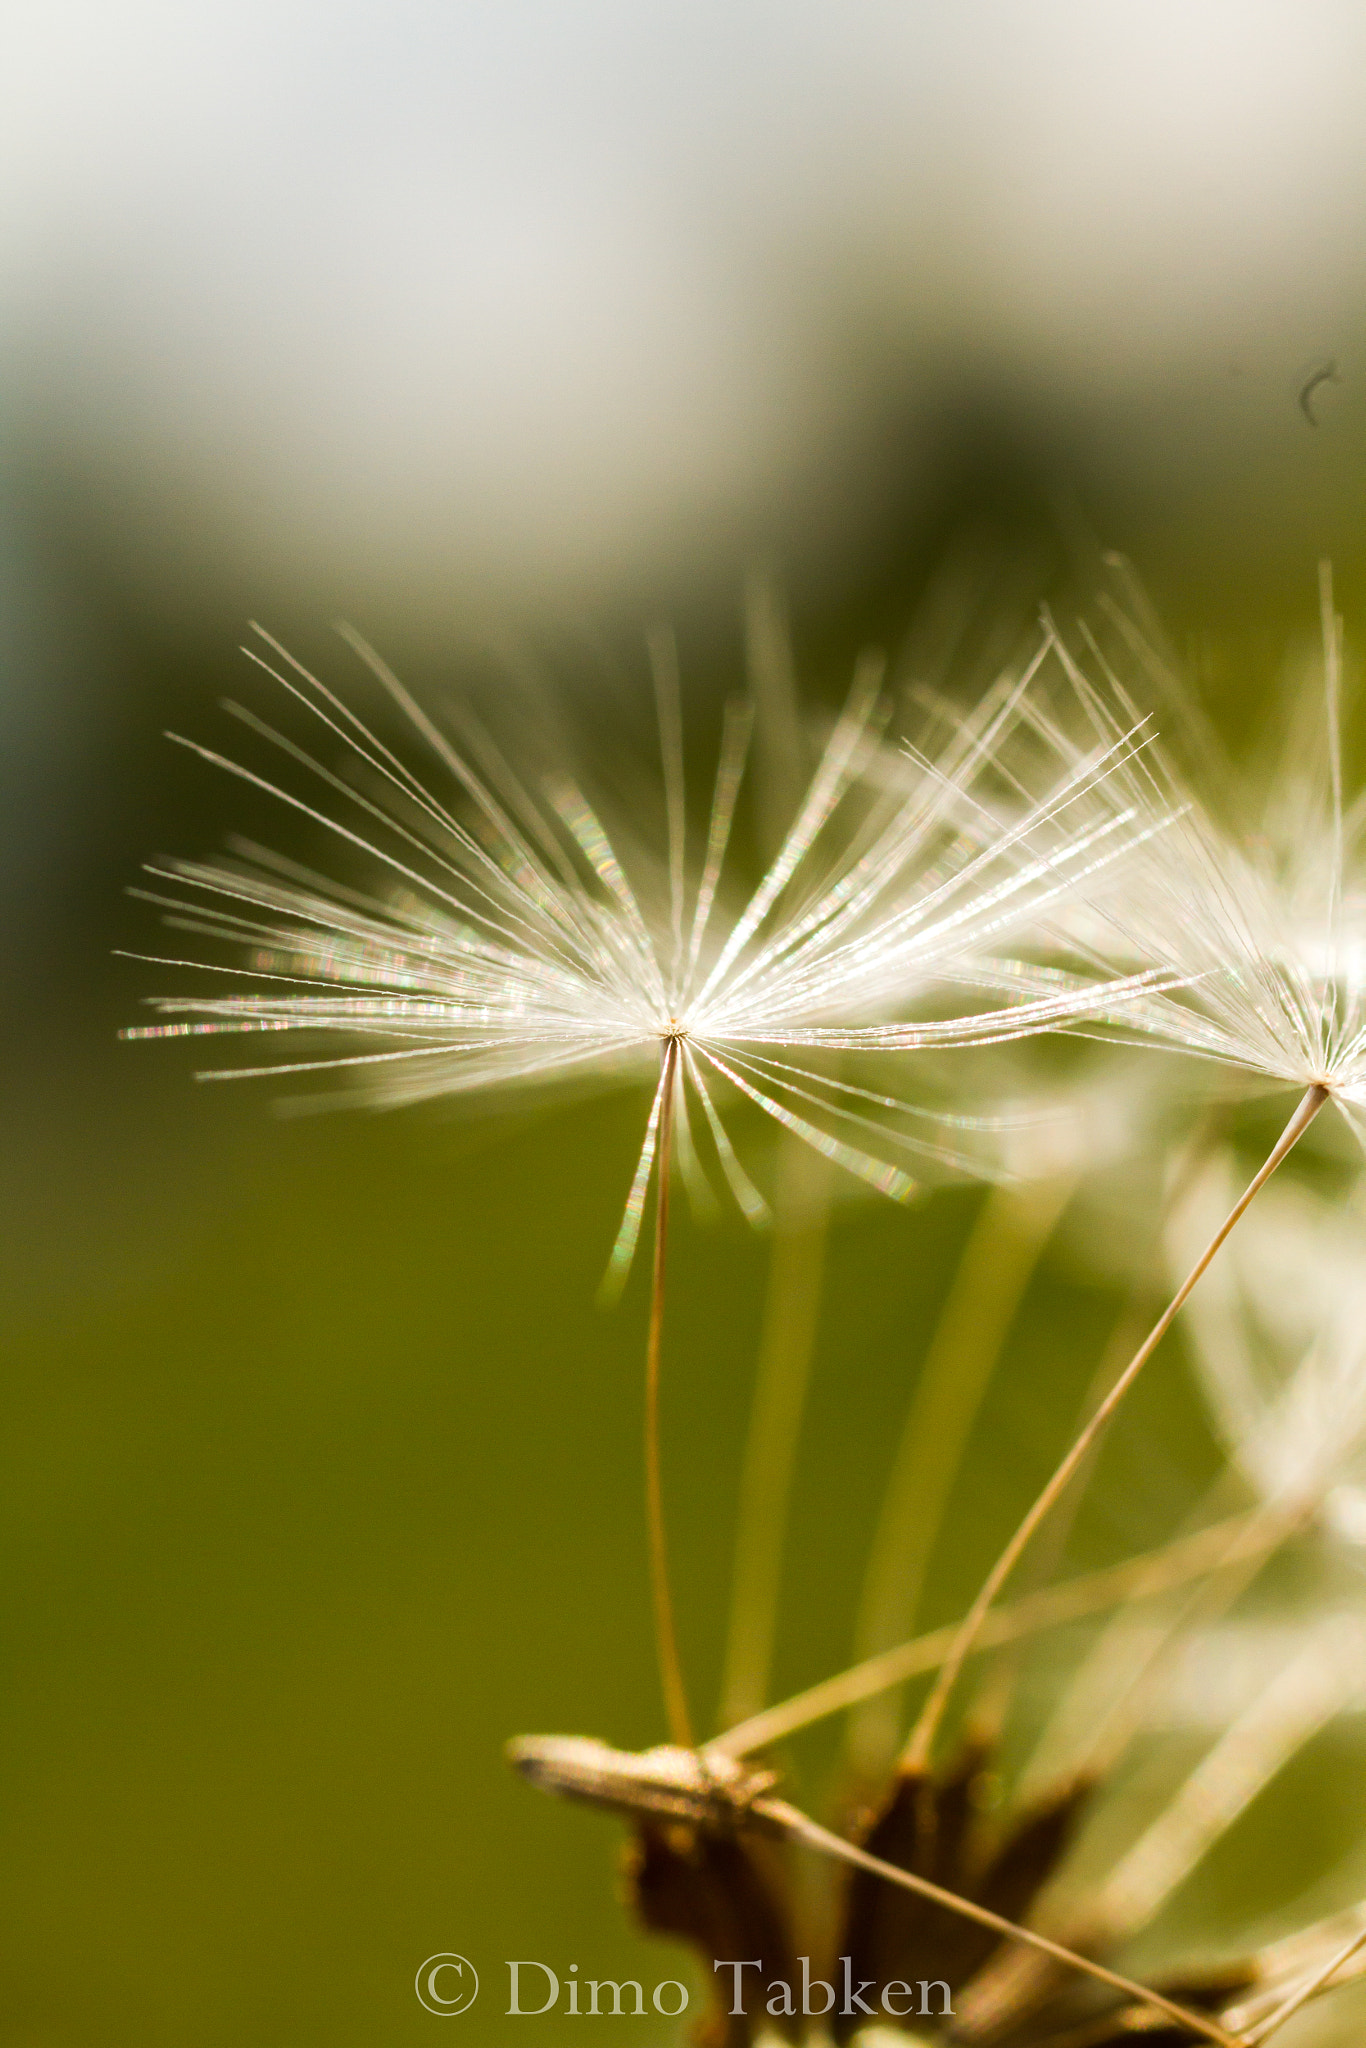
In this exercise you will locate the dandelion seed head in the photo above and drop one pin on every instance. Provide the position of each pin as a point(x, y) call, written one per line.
point(1254, 903)
point(507, 931)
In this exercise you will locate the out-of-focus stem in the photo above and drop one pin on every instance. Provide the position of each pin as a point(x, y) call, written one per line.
point(1003, 1249)
point(1287, 1712)
point(786, 1350)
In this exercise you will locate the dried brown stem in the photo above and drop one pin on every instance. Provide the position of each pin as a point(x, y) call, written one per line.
point(789, 1820)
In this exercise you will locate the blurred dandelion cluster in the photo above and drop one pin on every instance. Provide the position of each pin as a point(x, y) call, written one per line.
point(1037, 935)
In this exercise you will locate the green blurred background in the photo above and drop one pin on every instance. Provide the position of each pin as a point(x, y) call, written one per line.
point(321, 1468)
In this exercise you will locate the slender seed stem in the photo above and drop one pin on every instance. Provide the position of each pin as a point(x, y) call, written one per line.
point(791, 1821)
point(916, 1755)
point(1306, 1991)
point(666, 1637)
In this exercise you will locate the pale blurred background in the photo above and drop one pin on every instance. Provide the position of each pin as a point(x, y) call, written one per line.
point(536, 320)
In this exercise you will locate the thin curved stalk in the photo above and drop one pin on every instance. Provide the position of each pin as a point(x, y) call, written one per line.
point(666, 1635)
point(792, 1822)
point(920, 1747)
